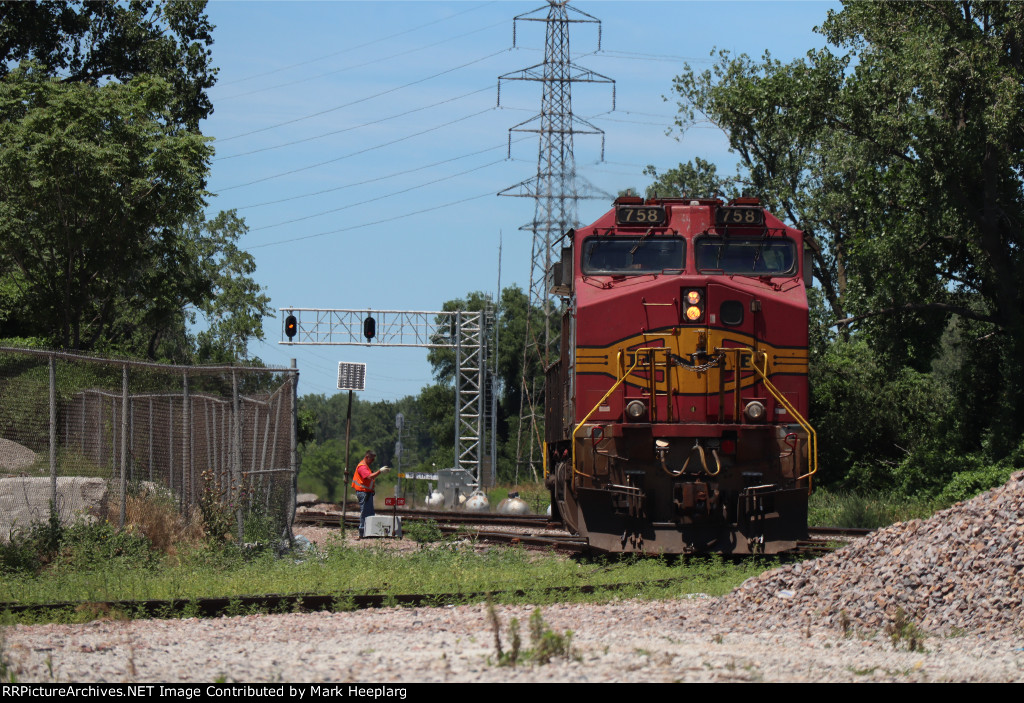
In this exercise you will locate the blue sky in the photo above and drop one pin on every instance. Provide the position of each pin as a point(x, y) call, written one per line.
point(362, 143)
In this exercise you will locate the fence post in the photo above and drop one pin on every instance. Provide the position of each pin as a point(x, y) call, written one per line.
point(170, 444)
point(236, 454)
point(150, 423)
point(99, 429)
point(186, 442)
point(131, 438)
point(53, 433)
point(124, 441)
point(293, 485)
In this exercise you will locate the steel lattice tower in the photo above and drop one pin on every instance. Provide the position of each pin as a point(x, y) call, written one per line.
point(555, 189)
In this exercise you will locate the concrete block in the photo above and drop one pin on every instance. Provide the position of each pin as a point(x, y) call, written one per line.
point(383, 526)
point(25, 500)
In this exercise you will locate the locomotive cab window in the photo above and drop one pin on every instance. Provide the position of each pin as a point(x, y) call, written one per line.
point(618, 256)
point(758, 256)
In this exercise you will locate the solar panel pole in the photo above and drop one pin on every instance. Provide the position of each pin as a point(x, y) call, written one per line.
point(350, 377)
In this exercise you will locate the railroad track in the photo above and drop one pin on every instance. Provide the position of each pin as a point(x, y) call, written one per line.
point(823, 540)
point(309, 602)
point(332, 518)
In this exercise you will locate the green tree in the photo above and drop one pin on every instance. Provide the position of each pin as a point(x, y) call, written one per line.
point(94, 43)
point(900, 155)
point(325, 464)
point(95, 189)
point(103, 245)
point(696, 179)
point(233, 304)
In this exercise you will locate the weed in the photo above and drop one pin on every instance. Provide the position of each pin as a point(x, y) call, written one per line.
point(152, 511)
point(7, 674)
point(901, 629)
point(423, 531)
point(133, 673)
point(28, 550)
point(492, 615)
point(547, 643)
point(867, 671)
point(515, 642)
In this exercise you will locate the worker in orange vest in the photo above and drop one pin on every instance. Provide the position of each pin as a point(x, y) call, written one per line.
point(362, 482)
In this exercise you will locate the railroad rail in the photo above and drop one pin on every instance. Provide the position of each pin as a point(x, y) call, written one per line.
point(307, 602)
point(310, 602)
point(333, 518)
point(823, 539)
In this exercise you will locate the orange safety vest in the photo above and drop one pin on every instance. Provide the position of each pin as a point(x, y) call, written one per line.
point(357, 480)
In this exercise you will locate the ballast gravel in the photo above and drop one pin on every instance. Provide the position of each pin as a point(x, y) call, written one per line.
point(930, 600)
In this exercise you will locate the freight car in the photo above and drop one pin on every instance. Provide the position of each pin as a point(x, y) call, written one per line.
point(675, 417)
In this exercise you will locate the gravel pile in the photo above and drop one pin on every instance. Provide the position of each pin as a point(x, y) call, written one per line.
point(15, 457)
point(960, 570)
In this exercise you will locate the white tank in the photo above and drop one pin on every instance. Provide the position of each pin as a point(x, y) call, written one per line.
point(478, 503)
point(435, 499)
point(513, 505)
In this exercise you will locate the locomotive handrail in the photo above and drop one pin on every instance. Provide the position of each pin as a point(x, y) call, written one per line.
point(652, 385)
point(813, 453)
point(618, 364)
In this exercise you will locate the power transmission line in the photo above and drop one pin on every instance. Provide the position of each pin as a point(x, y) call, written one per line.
point(353, 127)
point(352, 48)
point(379, 197)
point(363, 99)
point(354, 153)
point(358, 65)
point(369, 224)
point(374, 180)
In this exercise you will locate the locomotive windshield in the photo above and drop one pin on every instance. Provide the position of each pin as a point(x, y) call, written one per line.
point(746, 257)
point(618, 256)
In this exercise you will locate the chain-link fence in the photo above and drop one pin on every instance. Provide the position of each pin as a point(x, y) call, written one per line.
point(81, 435)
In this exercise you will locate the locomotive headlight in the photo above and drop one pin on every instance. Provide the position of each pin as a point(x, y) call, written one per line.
point(754, 411)
point(636, 409)
point(694, 304)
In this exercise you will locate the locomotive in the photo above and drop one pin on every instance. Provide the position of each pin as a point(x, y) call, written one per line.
point(675, 416)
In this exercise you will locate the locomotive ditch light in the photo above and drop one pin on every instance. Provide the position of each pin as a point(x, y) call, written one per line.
point(636, 409)
point(754, 411)
point(291, 326)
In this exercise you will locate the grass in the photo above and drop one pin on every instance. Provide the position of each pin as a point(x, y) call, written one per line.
point(163, 555)
point(871, 510)
point(97, 563)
